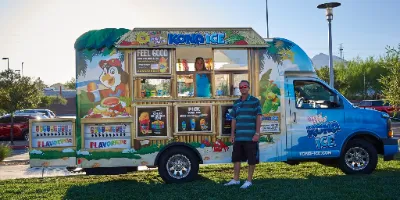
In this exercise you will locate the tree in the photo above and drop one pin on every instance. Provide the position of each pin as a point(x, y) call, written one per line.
point(17, 93)
point(70, 84)
point(391, 82)
point(96, 42)
point(46, 101)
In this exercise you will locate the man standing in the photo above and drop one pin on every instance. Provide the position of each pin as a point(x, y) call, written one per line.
point(246, 122)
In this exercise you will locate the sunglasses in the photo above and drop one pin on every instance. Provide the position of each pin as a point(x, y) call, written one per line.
point(244, 86)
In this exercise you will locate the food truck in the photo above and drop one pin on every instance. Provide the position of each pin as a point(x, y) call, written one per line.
point(142, 102)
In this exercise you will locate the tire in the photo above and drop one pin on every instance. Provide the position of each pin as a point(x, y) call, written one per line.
point(178, 159)
point(360, 153)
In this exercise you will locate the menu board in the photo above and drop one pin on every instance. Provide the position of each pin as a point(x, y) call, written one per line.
point(107, 136)
point(196, 118)
point(226, 120)
point(151, 121)
point(152, 61)
point(50, 134)
point(270, 123)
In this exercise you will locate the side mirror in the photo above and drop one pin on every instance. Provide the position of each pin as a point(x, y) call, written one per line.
point(335, 99)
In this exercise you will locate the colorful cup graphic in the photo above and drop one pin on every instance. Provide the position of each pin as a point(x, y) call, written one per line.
point(203, 124)
point(183, 125)
point(144, 121)
point(193, 124)
point(37, 128)
point(159, 93)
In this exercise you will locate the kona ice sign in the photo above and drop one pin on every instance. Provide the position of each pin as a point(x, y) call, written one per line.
point(196, 39)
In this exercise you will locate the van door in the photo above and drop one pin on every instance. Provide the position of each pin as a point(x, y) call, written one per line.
point(316, 115)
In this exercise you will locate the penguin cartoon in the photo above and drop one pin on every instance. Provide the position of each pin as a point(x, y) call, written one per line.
point(113, 77)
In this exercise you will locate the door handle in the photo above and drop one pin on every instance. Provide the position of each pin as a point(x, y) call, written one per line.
point(294, 117)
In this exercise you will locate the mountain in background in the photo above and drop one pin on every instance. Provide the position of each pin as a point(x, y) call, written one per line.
point(321, 60)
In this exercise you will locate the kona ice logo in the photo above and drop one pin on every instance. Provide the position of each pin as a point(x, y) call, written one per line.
point(54, 143)
point(196, 39)
point(323, 131)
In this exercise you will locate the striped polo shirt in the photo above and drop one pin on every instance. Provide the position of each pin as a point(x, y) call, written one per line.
point(245, 113)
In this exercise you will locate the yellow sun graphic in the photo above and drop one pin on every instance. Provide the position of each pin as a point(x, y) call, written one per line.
point(287, 55)
point(142, 38)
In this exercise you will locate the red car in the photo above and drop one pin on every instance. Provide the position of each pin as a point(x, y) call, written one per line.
point(379, 105)
point(21, 127)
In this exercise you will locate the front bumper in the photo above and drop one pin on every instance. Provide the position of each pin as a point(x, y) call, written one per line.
point(390, 148)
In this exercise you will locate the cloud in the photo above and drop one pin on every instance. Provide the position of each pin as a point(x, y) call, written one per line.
point(287, 65)
point(86, 153)
point(69, 150)
point(36, 152)
point(129, 151)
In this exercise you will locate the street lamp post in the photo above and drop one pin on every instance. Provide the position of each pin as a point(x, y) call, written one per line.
point(22, 68)
point(8, 62)
point(329, 16)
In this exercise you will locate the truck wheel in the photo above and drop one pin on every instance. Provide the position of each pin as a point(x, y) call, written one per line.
point(178, 165)
point(359, 157)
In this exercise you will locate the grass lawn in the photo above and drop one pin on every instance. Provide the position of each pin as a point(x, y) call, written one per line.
point(272, 181)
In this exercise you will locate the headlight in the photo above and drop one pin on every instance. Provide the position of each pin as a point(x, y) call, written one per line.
point(389, 128)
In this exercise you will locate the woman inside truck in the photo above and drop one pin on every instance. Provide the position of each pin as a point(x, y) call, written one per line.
point(203, 85)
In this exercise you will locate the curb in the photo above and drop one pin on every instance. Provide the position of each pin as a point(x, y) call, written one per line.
point(19, 147)
point(17, 160)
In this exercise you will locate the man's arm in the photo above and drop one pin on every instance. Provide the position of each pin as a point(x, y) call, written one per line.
point(233, 127)
point(258, 124)
point(258, 121)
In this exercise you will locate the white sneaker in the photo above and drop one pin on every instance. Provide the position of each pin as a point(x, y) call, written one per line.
point(232, 182)
point(246, 185)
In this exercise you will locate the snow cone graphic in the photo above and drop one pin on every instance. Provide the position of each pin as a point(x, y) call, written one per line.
point(193, 124)
point(183, 125)
point(144, 121)
point(203, 124)
point(163, 64)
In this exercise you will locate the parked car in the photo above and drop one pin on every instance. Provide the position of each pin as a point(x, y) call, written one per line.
point(21, 126)
point(379, 105)
point(46, 112)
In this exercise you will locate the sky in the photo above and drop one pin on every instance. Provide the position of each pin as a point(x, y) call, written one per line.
point(42, 33)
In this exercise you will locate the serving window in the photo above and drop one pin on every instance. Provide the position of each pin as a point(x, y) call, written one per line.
point(198, 72)
point(155, 87)
point(231, 66)
point(194, 72)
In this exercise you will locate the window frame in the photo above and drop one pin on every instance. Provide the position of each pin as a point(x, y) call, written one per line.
point(231, 72)
point(341, 103)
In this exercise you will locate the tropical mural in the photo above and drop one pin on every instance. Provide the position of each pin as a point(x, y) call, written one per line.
point(102, 78)
point(279, 56)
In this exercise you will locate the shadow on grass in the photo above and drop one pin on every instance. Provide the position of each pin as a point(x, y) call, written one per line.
point(382, 184)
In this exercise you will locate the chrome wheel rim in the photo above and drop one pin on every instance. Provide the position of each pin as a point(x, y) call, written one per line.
point(357, 158)
point(178, 166)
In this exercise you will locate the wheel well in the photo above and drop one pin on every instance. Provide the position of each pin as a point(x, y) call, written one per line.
point(369, 138)
point(174, 145)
